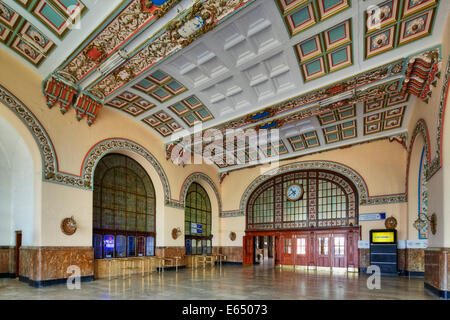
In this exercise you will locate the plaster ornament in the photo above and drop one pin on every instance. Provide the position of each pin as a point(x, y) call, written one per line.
point(69, 226)
point(379, 41)
point(28, 50)
point(191, 26)
point(4, 12)
point(415, 26)
point(37, 37)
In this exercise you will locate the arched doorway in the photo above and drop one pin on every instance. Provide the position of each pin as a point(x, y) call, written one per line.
point(197, 221)
point(17, 198)
point(317, 227)
point(124, 209)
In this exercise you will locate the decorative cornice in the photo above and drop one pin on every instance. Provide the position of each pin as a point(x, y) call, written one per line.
point(232, 214)
point(421, 73)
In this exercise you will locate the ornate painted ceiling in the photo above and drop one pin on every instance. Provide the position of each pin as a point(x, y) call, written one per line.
point(327, 73)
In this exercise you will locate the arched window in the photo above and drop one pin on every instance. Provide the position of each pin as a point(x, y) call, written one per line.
point(124, 209)
point(329, 200)
point(197, 221)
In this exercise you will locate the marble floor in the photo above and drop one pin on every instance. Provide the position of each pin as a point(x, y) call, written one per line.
point(227, 282)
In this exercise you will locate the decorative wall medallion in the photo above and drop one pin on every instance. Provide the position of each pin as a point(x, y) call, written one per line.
point(232, 236)
point(176, 232)
point(69, 226)
point(390, 223)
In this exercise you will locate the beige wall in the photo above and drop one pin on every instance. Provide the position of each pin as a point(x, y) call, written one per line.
point(72, 141)
point(439, 184)
point(382, 165)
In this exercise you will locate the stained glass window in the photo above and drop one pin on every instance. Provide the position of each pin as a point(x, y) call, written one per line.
point(329, 200)
point(124, 209)
point(197, 221)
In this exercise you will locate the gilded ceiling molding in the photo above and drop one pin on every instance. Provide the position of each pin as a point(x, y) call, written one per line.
point(131, 18)
point(201, 18)
point(115, 144)
point(194, 177)
point(436, 163)
point(62, 86)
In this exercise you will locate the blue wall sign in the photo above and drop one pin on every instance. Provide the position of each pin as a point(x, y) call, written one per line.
point(372, 216)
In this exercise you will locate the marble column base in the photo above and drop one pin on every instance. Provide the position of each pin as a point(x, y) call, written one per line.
point(44, 266)
point(437, 271)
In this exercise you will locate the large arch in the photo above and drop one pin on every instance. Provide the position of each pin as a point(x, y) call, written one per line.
point(213, 193)
point(141, 155)
point(17, 188)
point(131, 149)
point(348, 172)
point(199, 177)
point(418, 161)
point(422, 130)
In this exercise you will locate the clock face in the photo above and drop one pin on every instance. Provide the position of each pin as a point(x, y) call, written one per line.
point(294, 192)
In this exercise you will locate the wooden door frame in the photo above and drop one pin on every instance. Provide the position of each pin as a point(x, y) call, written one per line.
point(17, 247)
point(352, 233)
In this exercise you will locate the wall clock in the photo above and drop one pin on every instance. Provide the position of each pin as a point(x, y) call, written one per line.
point(294, 192)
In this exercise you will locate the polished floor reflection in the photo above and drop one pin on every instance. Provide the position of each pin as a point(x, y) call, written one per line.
point(227, 282)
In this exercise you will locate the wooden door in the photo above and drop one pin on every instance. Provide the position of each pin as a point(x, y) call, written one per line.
point(339, 250)
point(17, 252)
point(248, 250)
point(287, 249)
point(323, 251)
point(301, 250)
point(278, 250)
point(352, 250)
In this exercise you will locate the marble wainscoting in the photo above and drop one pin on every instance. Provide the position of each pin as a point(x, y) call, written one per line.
point(411, 262)
point(7, 263)
point(172, 252)
point(437, 271)
point(234, 255)
point(44, 266)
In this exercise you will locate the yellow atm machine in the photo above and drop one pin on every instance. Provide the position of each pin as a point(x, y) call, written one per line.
point(383, 251)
